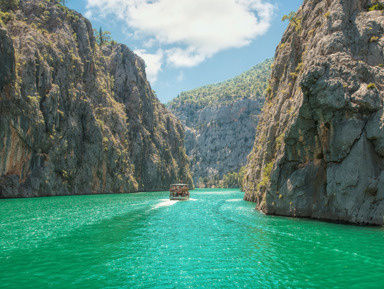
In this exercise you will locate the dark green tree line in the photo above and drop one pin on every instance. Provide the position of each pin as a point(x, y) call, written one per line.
point(250, 84)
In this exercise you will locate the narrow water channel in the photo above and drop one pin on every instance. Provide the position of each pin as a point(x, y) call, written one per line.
point(214, 240)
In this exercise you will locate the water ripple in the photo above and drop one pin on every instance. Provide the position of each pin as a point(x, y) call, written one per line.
point(214, 240)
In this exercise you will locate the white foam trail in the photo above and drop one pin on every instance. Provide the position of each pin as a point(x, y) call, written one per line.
point(164, 203)
point(234, 200)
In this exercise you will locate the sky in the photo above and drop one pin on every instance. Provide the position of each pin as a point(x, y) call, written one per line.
point(190, 43)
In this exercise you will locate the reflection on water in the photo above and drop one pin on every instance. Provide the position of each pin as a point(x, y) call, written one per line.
point(214, 240)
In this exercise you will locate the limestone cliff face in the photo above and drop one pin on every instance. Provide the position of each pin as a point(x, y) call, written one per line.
point(220, 123)
point(77, 118)
point(219, 138)
point(320, 142)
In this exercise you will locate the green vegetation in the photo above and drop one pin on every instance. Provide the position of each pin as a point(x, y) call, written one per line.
point(9, 4)
point(250, 84)
point(293, 74)
point(280, 140)
point(33, 99)
point(71, 15)
point(293, 20)
point(268, 89)
point(373, 39)
point(6, 16)
point(299, 67)
point(103, 37)
point(230, 180)
point(371, 86)
point(378, 6)
point(63, 2)
point(234, 179)
point(311, 33)
point(266, 176)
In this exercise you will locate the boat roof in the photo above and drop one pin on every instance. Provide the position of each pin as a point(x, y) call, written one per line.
point(179, 185)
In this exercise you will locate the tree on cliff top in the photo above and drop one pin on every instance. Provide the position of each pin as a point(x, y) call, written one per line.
point(63, 2)
point(293, 19)
point(102, 37)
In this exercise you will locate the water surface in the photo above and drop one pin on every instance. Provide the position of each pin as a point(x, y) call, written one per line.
point(215, 240)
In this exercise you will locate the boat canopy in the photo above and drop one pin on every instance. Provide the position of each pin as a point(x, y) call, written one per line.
point(178, 185)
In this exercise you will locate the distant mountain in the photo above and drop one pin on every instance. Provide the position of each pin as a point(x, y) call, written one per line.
point(220, 122)
point(249, 84)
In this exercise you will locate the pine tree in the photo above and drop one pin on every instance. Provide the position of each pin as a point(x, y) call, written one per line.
point(101, 38)
point(63, 2)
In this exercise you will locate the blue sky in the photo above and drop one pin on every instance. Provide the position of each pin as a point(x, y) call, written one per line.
point(190, 43)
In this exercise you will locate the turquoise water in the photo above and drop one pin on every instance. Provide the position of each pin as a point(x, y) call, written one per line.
point(215, 240)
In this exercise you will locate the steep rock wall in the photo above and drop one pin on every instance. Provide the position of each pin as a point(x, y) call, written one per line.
point(218, 138)
point(220, 123)
point(319, 146)
point(77, 118)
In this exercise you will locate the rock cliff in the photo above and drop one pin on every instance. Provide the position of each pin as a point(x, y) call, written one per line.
point(76, 117)
point(319, 146)
point(220, 123)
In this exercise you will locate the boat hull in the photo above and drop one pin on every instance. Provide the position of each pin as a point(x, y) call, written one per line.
point(179, 198)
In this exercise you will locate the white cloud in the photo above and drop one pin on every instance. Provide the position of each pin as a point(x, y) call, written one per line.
point(153, 63)
point(191, 30)
point(88, 14)
point(188, 57)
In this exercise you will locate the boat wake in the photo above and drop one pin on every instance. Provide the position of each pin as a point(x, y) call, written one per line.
point(164, 203)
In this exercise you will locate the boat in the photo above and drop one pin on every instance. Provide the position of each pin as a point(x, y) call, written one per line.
point(179, 192)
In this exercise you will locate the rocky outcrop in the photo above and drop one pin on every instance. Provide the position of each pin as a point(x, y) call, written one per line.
point(220, 123)
point(319, 146)
point(221, 138)
point(76, 117)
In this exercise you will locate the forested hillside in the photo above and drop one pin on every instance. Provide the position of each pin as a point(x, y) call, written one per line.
point(249, 84)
